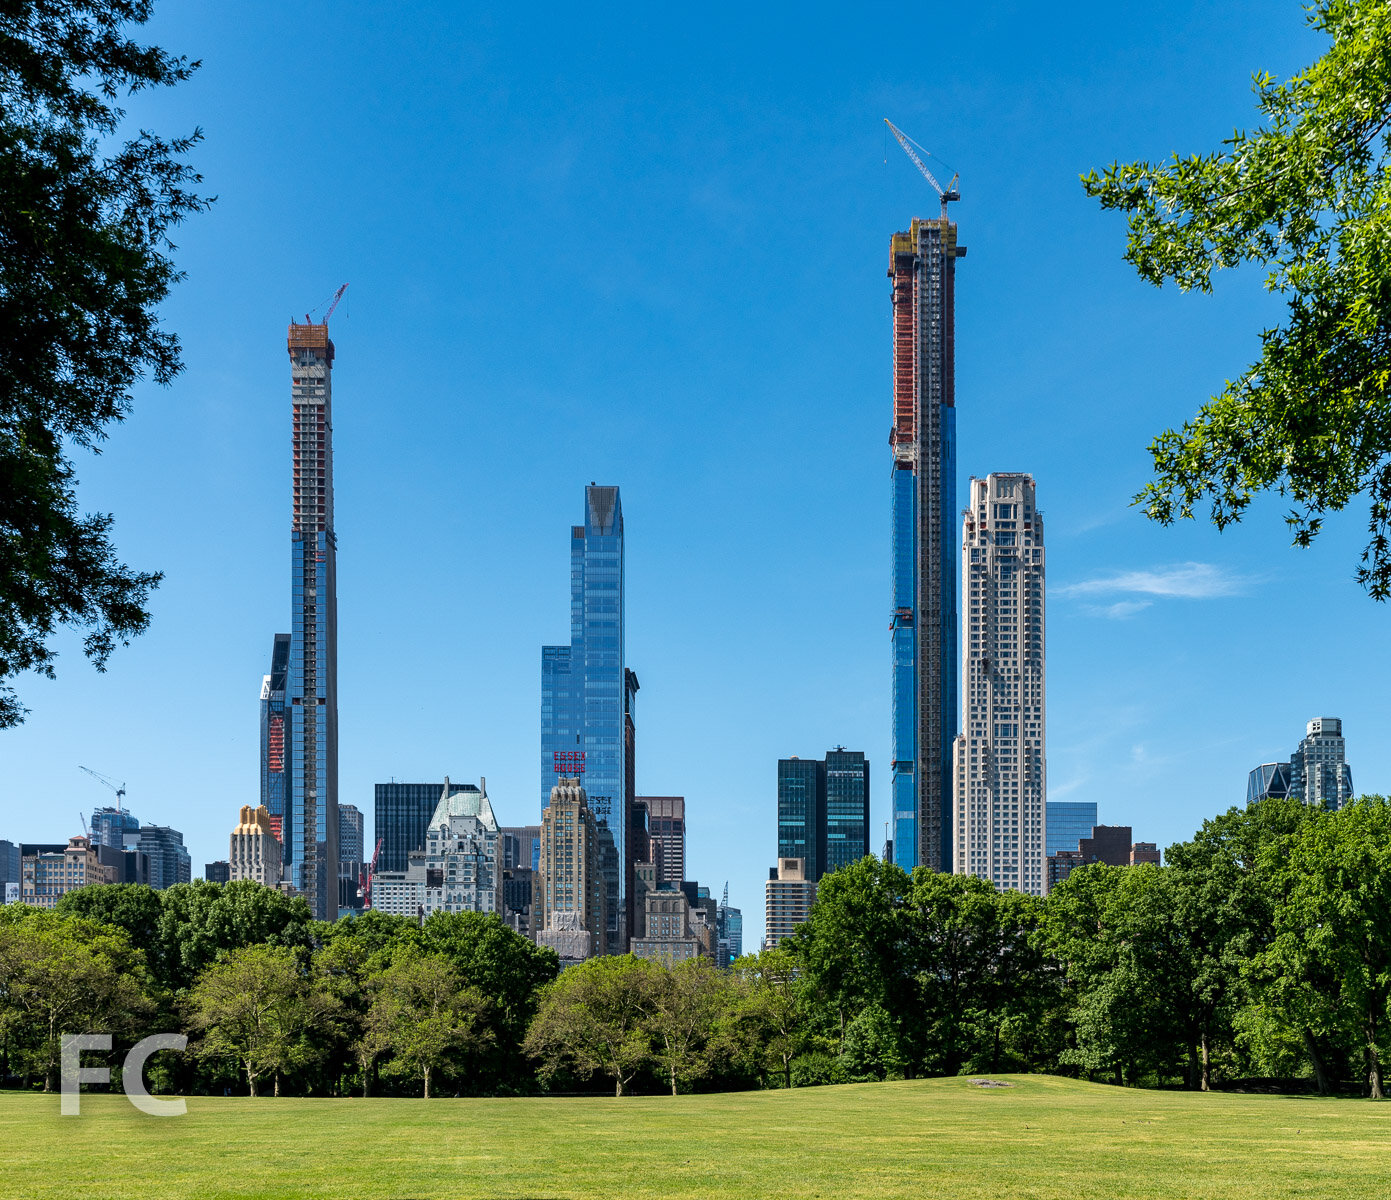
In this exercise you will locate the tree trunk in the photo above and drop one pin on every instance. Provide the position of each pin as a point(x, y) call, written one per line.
point(276, 1092)
point(1320, 1071)
point(618, 1085)
point(673, 1081)
point(366, 1083)
point(1207, 1064)
point(427, 1082)
point(786, 1071)
point(251, 1081)
point(1374, 1065)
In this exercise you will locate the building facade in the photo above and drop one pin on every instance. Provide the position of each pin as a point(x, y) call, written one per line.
point(310, 828)
point(521, 851)
point(459, 869)
point(1000, 815)
point(787, 899)
point(1069, 821)
point(668, 935)
point(254, 852)
point(275, 736)
point(666, 833)
point(218, 872)
point(569, 898)
point(351, 833)
point(1317, 773)
point(9, 872)
point(922, 622)
point(730, 931)
point(823, 810)
point(401, 813)
point(50, 873)
point(169, 860)
point(586, 698)
point(847, 808)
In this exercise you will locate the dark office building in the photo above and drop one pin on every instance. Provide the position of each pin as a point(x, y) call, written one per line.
point(847, 808)
point(169, 861)
point(402, 812)
point(218, 872)
point(9, 872)
point(666, 833)
point(275, 745)
point(802, 813)
point(823, 810)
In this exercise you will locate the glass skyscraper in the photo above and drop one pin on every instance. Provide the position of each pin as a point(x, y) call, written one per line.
point(275, 746)
point(847, 808)
point(310, 829)
point(584, 696)
point(1317, 772)
point(922, 622)
point(823, 811)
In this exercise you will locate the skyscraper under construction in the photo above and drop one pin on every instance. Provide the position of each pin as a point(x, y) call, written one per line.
point(310, 829)
point(922, 265)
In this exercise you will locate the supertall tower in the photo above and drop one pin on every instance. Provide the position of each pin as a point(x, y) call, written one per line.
point(587, 698)
point(310, 828)
point(1001, 813)
point(922, 265)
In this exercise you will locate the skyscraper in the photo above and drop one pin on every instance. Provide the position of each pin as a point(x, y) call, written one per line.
point(113, 827)
point(847, 808)
point(586, 696)
point(253, 850)
point(666, 830)
point(787, 899)
point(1069, 821)
point(1000, 818)
point(275, 749)
point(1319, 771)
point(922, 265)
point(570, 894)
point(350, 855)
point(823, 810)
point(169, 860)
point(310, 828)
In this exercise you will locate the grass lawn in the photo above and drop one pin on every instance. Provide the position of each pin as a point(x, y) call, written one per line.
point(1043, 1137)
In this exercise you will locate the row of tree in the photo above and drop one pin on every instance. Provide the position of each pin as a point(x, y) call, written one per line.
point(1262, 948)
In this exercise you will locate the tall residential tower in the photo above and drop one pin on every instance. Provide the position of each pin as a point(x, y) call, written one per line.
point(1001, 823)
point(586, 698)
point(922, 265)
point(310, 828)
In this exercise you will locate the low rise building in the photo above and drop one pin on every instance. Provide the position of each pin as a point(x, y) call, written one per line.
point(51, 873)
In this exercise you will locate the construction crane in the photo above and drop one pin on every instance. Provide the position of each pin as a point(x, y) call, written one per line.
point(365, 877)
point(946, 194)
point(118, 788)
point(332, 304)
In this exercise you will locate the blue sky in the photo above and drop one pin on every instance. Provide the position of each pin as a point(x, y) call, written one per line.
point(646, 246)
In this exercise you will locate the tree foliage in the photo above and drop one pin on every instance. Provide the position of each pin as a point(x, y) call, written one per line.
point(85, 261)
point(1307, 196)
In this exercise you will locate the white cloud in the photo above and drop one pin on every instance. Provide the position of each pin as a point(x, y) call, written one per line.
point(1119, 610)
point(1186, 581)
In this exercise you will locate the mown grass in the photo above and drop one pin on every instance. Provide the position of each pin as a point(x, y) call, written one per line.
point(1042, 1138)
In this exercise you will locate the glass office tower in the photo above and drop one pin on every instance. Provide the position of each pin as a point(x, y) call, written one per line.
point(1069, 821)
point(275, 747)
point(583, 695)
point(401, 814)
point(922, 265)
point(847, 808)
point(310, 828)
point(802, 813)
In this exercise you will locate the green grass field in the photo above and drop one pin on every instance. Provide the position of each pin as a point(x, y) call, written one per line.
point(1041, 1138)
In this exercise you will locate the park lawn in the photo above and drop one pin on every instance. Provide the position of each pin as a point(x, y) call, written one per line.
point(1042, 1138)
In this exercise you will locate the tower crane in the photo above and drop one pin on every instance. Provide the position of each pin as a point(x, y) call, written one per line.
point(365, 877)
point(947, 194)
point(118, 788)
point(332, 304)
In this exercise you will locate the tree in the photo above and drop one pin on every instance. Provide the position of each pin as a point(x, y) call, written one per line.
point(1329, 965)
point(258, 1005)
point(200, 920)
point(774, 1008)
point(61, 974)
point(84, 265)
point(595, 1019)
point(1308, 197)
point(689, 1001)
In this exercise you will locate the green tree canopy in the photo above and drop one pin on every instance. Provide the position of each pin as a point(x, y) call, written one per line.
point(1306, 195)
point(84, 264)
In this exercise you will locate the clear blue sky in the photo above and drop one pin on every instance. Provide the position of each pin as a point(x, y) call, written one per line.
point(647, 246)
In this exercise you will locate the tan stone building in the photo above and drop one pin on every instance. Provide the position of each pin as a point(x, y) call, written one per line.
point(254, 851)
point(568, 897)
point(669, 934)
point(47, 876)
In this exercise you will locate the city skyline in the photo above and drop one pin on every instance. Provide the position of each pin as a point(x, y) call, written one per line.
point(463, 440)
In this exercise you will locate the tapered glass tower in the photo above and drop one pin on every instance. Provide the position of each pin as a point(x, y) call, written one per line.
point(922, 265)
point(584, 696)
point(310, 829)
